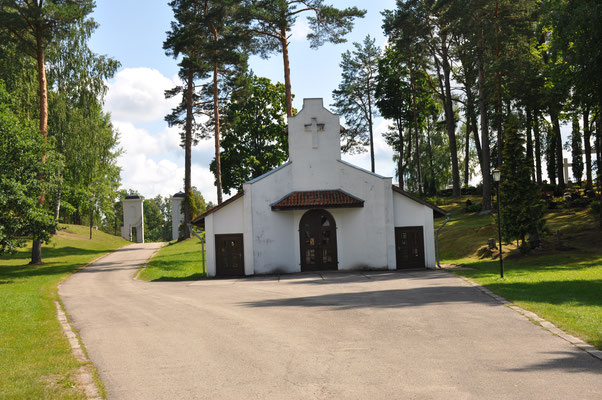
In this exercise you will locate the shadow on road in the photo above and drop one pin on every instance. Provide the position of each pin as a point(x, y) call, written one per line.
point(393, 298)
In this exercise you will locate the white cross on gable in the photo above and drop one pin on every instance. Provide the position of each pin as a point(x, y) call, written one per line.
point(314, 128)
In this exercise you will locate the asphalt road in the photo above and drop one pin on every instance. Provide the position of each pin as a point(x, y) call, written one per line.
point(373, 335)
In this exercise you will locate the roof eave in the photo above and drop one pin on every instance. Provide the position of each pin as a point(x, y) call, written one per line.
point(276, 208)
point(438, 211)
point(201, 218)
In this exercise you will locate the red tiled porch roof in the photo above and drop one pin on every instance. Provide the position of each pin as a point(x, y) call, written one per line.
point(317, 199)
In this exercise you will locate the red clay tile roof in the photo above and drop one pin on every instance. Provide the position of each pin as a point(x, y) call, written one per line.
point(317, 199)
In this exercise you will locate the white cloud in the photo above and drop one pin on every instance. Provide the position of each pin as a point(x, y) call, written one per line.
point(170, 139)
point(299, 31)
point(135, 140)
point(164, 177)
point(138, 95)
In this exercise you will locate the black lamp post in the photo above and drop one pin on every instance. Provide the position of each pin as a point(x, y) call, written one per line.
point(497, 175)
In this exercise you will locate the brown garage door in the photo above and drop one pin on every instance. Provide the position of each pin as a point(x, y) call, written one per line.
point(409, 245)
point(229, 255)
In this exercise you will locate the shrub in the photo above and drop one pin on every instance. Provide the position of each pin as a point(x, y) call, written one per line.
point(594, 207)
point(472, 208)
point(579, 202)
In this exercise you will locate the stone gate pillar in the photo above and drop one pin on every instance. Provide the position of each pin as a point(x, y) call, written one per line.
point(177, 216)
point(133, 219)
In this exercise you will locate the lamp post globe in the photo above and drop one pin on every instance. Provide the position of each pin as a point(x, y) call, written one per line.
point(497, 175)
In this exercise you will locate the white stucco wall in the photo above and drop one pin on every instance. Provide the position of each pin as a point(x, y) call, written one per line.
point(133, 217)
point(272, 231)
point(364, 232)
point(410, 213)
point(229, 219)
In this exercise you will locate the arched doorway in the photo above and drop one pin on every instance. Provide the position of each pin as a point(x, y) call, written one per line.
point(318, 241)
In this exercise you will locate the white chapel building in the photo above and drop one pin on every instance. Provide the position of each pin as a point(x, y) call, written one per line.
point(317, 212)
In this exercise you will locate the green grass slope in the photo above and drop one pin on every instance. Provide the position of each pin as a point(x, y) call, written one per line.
point(564, 287)
point(177, 261)
point(35, 357)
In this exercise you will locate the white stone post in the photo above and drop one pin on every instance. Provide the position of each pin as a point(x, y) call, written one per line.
point(133, 219)
point(177, 216)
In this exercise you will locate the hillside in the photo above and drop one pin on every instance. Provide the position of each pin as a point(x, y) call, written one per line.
point(560, 283)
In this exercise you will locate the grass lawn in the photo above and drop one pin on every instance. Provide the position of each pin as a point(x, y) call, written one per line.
point(564, 287)
point(35, 357)
point(177, 261)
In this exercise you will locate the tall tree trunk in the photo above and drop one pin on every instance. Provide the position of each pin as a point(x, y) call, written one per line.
point(598, 144)
point(530, 142)
point(477, 141)
point(409, 156)
point(371, 132)
point(218, 162)
point(415, 117)
point(471, 120)
point(467, 156)
point(450, 122)
point(498, 92)
point(419, 166)
point(558, 150)
point(537, 135)
point(188, 154)
point(432, 186)
point(59, 194)
point(91, 217)
point(287, 73)
point(400, 166)
point(599, 151)
point(36, 248)
point(587, 147)
point(485, 163)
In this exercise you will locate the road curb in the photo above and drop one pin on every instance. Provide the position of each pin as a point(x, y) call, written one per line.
point(85, 374)
point(531, 316)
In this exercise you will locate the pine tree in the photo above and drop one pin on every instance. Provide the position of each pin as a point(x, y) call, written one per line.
point(550, 148)
point(577, 151)
point(521, 207)
point(355, 96)
point(272, 20)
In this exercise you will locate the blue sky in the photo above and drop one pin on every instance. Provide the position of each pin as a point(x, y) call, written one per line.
point(133, 32)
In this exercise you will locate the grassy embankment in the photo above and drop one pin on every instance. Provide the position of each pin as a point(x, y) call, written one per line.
point(564, 287)
point(35, 357)
point(177, 261)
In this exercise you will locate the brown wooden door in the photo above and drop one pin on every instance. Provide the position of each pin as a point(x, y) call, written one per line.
point(318, 238)
point(409, 245)
point(229, 255)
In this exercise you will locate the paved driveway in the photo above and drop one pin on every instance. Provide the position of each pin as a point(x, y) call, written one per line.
point(408, 335)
